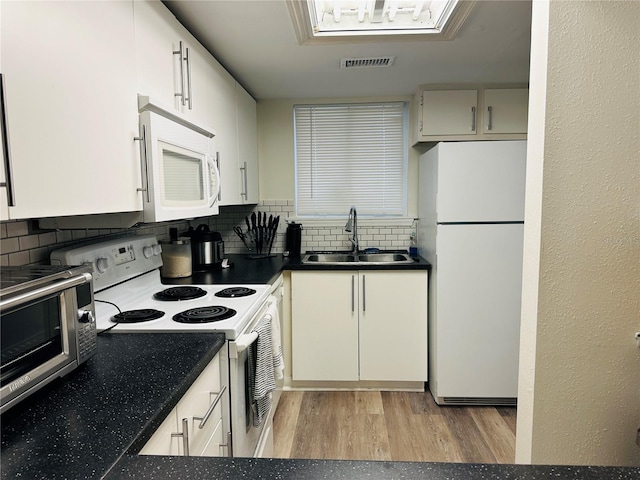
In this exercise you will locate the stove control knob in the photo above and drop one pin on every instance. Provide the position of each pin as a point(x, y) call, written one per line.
point(147, 252)
point(85, 316)
point(102, 264)
point(157, 249)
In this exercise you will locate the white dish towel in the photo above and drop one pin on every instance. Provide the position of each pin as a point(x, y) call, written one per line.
point(276, 338)
point(262, 381)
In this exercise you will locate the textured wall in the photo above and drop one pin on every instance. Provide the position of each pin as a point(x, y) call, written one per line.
point(580, 376)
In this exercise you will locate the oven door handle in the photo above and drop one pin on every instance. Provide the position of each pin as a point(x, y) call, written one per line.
point(244, 342)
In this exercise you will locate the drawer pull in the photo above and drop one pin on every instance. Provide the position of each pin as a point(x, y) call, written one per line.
point(212, 407)
point(184, 435)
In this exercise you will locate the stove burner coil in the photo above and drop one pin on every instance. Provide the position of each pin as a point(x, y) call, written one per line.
point(179, 293)
point(233, 292)
point(137, 316)
point(212, 313)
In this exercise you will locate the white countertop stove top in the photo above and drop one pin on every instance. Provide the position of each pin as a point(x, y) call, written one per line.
point(126, 275)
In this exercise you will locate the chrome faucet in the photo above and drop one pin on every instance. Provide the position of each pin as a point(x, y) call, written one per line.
point(352, 226)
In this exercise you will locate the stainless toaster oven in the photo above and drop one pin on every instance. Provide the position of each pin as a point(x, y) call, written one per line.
point(47, 327)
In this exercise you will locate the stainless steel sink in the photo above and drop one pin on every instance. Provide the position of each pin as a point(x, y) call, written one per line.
point(383, 258)
point(328, 258)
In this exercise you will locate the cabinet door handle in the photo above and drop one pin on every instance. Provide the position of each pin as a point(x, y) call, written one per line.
point(473, 119)
point(181, 94)
point(489, 122)
point(245, 193)
point(364, 294)
point(218, 164)
point(189, 92)
point(212, 407)
point(353, 300)
point(184, 435)
point(5, 146)
point(144, 162)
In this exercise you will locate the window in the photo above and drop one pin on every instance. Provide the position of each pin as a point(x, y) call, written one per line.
point(330, 21)
point(351, 154)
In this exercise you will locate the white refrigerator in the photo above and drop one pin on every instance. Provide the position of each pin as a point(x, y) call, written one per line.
point(471, 230)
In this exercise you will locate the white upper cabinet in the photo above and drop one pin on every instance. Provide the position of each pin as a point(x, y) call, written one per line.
point(449, 112)
point(173, 68)
point(454, 113)
point(223, 108)
point(69, 73)
point(247, 146)
point(505, 110)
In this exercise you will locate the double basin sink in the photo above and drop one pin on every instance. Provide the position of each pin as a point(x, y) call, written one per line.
point(341, 258)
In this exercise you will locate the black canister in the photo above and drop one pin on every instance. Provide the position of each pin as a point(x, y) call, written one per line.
point(293, 241)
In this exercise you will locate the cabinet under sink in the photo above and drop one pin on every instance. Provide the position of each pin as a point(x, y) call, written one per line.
point(359, 326)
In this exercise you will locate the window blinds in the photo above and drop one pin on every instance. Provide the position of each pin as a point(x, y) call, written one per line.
point(350, 154)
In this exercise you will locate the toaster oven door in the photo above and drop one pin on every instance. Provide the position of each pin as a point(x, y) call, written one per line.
point(37, 344)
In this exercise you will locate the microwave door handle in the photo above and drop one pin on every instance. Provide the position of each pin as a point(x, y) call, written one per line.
point(144, 164)
point(214, 180)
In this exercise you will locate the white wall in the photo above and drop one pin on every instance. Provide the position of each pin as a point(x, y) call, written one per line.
point(579, 396)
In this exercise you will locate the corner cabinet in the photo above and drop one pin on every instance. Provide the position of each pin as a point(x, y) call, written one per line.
point(199, 424)
point(359, 326)
point(470, 113)
point(71, 107)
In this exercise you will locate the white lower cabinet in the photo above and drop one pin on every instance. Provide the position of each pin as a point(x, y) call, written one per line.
point(359, 325)
point(205, 404)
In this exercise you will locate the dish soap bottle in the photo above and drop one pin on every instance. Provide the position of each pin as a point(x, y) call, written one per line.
point(413, 244)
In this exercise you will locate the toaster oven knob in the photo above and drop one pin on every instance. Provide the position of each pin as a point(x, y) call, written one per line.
point(85, 316)
point(157, 249)
point(147, 252)
point(102, 264)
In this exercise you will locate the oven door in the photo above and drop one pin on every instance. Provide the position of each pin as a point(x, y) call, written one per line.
point(246, 436)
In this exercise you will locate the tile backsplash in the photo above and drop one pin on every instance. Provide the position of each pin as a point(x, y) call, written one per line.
point(22, 242)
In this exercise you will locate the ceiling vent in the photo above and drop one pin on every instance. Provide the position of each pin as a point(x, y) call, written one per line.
point(366, 62)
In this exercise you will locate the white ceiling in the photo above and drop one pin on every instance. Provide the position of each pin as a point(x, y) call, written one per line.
point(256, 42)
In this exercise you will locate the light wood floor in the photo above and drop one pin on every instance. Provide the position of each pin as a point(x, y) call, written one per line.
point(400, 426)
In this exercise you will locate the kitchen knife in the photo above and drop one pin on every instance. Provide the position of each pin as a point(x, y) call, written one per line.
point(246, 219)
point(259, 242)
point(269, 231)
point(274, 232)
point(254, 230)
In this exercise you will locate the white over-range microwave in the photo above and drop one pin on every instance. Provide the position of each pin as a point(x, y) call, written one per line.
point(181, 178)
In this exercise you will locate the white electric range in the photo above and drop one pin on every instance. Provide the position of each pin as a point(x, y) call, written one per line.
point(131, 298)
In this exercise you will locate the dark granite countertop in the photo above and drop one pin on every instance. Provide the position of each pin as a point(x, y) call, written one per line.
point(243, 271)
point(79, 426)
point(247, 271)
point(194, 468)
